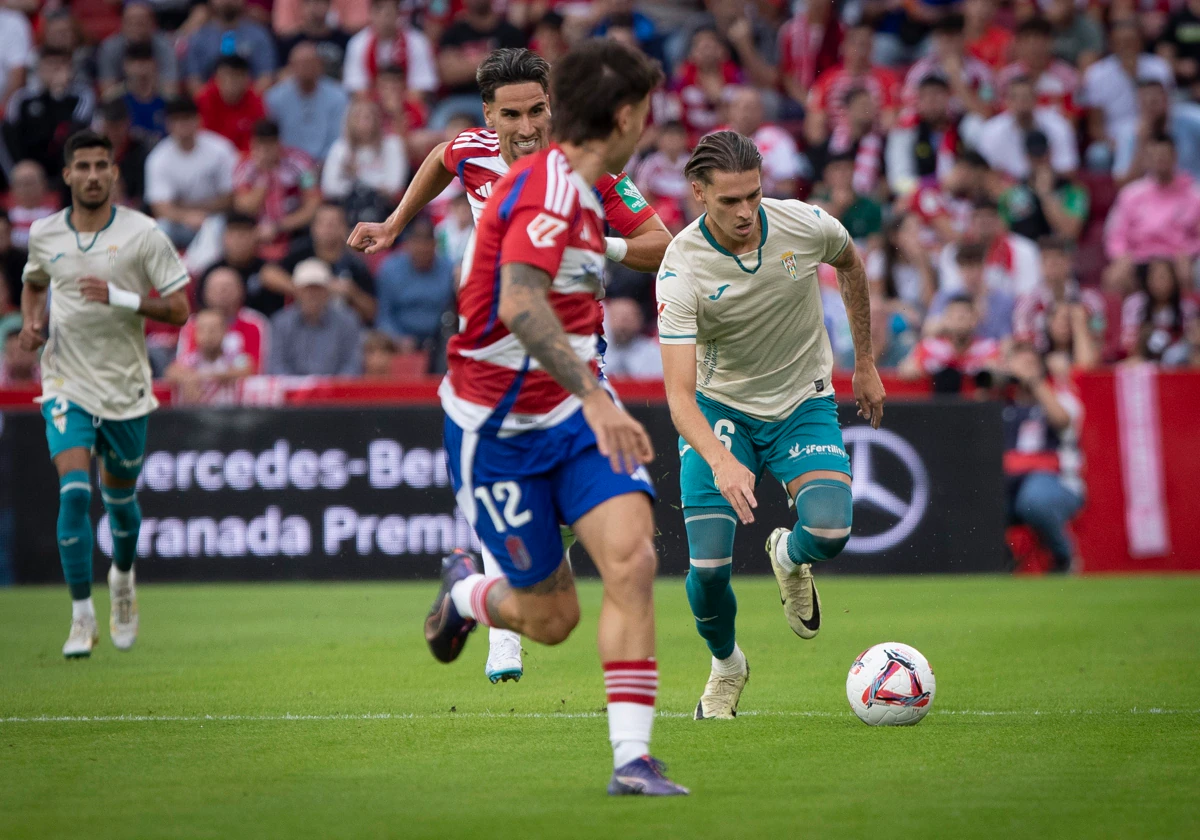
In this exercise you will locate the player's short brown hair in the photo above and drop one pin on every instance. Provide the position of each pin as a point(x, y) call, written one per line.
point(511, 66)
point(591, 83)
point(722, 151)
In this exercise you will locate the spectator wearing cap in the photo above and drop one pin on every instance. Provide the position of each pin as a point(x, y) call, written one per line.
point(969, 79)
point(1059, 288)
point(29, 199)
point(475, 31)
point(416, 286)
point(1157, 115)
point(925, 144)
point(986, 40)
point(142, 92)
point(131, 149)
point(352, 282)
point(1078, 37)
point(630, 352)
point(189, 174)
point(827, 100)
point(1110, 85)
point(993, 307)
point(138, 28)
point(389, 42)
point(1011, 262)
point(246, 331)
point(41, 117)
point(278, 186)
point(228, 32)
point(308, 107)
point(208, 373)
point(1055, 82)
point(314, 28)
point(1002, 140)
point(861, 215)
point(1157, 215)
point(1044, 202)
point(780, 156)
point(229, 105)
point(314, 336)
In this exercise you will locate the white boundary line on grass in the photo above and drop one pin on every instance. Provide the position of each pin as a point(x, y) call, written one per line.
point(544, 715)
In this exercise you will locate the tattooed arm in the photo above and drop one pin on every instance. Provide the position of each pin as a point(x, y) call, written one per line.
point(525, 309)
point(852, 281)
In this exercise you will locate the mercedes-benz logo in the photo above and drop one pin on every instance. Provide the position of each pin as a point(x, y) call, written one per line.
point(861, 441)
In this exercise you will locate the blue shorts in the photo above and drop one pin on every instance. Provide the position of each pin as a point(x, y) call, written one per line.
point(515, 491)
point(120, 444)
point(808, 439)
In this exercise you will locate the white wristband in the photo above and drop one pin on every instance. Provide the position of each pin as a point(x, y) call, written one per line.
point(122, 299)
point(615, 248)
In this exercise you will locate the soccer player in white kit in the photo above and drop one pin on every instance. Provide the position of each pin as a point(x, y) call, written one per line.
point(747, 367)
point(100, 262)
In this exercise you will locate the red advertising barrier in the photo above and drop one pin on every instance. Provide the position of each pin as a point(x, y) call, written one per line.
point(1143, 466)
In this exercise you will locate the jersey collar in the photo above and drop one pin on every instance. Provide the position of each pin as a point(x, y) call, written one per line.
point(112, 217)
point(762, 218)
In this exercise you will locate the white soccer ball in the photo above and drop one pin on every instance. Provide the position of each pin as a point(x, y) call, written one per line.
point(890, 685)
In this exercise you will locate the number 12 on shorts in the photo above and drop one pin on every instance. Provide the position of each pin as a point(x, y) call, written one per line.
point(506, 495)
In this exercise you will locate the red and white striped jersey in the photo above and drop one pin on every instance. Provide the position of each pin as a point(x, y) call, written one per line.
point(474, 156)
point(540, 214)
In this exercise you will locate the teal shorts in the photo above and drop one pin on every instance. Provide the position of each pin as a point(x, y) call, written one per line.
point(121, 444)
point(809, 439)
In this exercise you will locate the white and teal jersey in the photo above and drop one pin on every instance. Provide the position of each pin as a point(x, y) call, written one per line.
point(756, 318)
point(96, 354)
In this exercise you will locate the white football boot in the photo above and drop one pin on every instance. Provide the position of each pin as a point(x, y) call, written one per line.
point(721, 694)
point(504, 656)
point(83, 637)
point(797, 591)
point(123, 612)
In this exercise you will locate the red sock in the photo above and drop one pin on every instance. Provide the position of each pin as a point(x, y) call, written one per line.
point(632, 689)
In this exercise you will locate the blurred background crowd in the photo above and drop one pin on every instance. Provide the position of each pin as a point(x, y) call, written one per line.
point(1019, 175)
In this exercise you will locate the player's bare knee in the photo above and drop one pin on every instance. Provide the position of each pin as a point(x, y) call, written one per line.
point(554, 628)
point(634, 568)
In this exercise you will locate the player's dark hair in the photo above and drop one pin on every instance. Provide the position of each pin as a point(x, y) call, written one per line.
point(722, 151)
point(181, 106)
point(1035, 25)
point(971, 253)
point(139, 52)
point(240, 220)
point(592, 82)
point(511, 66)
point(86, 139)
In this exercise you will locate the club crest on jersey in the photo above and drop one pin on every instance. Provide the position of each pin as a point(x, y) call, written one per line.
point(112, 257)
point(789, 262)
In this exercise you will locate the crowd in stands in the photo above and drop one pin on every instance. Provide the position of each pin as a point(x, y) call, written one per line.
point(1018, 175)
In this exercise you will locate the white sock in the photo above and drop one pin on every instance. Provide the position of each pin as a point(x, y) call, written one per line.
point(734, 666)
point(783, 559)
point(83, 609)
point(629, 726)
point(122, 578)
point(460, 593)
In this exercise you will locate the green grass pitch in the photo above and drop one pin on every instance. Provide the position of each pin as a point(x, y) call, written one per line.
point(1065, 708)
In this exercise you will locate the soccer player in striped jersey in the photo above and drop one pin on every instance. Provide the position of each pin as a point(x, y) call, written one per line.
point(101, 262)
point(515, 87)
point(534, 436)
point(747, 367)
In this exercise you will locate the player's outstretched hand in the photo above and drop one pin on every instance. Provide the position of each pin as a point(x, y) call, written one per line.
point(736, 484)
point(31, 336)
point(371, 237)
point(619, 437)
point(869, 393)
point(93, 289)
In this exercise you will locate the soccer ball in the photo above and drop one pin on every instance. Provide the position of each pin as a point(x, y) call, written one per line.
point(890, 685)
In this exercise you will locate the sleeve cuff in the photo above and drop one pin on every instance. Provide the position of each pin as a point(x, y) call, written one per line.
point(175, 285)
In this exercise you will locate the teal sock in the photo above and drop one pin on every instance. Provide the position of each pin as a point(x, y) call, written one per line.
point(824, 514)
point(75, 532)
point(125, 522)
point(710, 533)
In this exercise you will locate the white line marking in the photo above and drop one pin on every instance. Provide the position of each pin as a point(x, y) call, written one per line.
point(548, 715)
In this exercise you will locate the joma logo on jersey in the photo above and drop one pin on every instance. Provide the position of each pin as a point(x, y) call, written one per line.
point(789, 262)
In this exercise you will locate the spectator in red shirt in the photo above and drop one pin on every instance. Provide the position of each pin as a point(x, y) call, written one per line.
point(229, 105)
point(209, 373)
point(955, 352)
point(1055, 81)
point(703, 81)
point(246, 331)
point(277, 186)
point(986, 41)
point(827, 99)
point(1059, 290)
point(808, 46)
point(29, 200)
